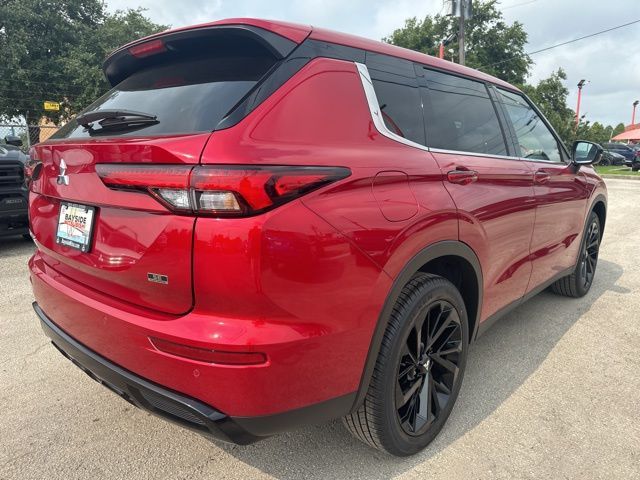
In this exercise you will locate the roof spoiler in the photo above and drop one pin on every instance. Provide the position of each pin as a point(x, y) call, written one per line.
point(136, 55)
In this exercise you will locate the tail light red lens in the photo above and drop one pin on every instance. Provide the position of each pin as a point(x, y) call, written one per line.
point(221, 190)
point(208, 356)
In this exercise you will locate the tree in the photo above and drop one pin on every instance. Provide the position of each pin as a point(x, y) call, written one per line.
point(491, 45)
point(57, 56)
point(618, 130)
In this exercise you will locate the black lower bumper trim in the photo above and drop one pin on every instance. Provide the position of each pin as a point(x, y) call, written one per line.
point(181, 409)
point(187, 412)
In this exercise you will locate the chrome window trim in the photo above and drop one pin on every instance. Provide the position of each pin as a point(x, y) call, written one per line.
point(374, 109)
point(473, 154)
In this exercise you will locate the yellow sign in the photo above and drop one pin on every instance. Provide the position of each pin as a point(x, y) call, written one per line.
point(51, 106)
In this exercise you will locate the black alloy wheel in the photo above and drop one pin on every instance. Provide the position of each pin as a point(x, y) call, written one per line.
point(418, 371)
point(589, 254)
point(428, 367)
point(578, 283)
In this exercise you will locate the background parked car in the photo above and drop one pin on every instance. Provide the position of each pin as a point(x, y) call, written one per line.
point(611, 158)
point(631, 156)
point(13, 193)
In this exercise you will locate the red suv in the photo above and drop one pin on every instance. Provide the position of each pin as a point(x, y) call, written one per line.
point(263, 225)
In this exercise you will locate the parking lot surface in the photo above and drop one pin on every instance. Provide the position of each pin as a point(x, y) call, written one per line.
point(551, 391)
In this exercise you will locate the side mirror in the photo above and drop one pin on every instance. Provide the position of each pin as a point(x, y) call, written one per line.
point(13, 140)
point(586, 153)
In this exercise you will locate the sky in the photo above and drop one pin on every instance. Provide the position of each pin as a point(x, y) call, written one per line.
point(610, 62)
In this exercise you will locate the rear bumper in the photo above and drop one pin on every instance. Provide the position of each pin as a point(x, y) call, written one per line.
point(165, 403)
point(181, 409)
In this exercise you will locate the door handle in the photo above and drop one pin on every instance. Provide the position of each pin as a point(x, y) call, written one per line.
point(541, 177)
point(462, 177)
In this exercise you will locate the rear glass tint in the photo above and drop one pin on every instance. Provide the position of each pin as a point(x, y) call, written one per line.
point(187, 94)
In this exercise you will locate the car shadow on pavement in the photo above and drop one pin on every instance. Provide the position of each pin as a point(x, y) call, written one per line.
point(15, 246)
point(499, 362)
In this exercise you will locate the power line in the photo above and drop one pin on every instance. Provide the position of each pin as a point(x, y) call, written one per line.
point(54, 85)
point(48, 71)
point(519, 4)
point(567, 42)
point(586, 36)
point(48, 92)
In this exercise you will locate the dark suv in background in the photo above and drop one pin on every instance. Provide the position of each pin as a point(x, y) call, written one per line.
point(13, 193)
point(631, 156)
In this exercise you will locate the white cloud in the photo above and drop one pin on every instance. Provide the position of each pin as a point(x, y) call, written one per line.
point(611, 61)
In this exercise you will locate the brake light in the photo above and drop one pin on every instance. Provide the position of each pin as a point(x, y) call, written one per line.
point(209, 356)
point(221, 190)
point(148, 48)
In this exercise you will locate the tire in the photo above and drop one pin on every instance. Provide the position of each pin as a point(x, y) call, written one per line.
point(383, 421)
point(579, 282)
point(635, 168)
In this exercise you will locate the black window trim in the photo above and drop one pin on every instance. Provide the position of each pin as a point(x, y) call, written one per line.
point(504, 121)
point(497, 109)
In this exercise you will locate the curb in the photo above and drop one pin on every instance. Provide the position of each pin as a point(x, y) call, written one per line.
point(621, 177)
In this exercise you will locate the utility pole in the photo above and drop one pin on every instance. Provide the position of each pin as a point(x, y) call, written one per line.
point(633, 114)
point(581, 84)
point(463, 10)
point(461, 32)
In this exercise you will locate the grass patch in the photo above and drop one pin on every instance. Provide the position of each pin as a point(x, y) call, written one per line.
point(616, 170)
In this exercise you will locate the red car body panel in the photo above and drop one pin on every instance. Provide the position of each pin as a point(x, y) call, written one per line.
point(305, 283)
point(555, 244)
point(122, 253)
point(497, 219)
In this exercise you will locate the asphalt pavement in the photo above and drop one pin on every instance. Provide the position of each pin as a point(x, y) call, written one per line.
point(551, 391)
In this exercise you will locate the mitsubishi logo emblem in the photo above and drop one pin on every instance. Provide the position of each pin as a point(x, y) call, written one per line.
point(63, 178)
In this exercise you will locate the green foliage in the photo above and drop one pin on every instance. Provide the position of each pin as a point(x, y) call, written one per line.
point(618, 130)
point(491, 45)
point(57, 56)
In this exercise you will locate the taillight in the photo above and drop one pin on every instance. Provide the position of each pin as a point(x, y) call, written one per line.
point(221, 190)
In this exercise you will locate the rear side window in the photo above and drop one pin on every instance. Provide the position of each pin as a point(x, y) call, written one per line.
point(460, 115)
point(398, 96)
point(535, 140)
point(190, 88)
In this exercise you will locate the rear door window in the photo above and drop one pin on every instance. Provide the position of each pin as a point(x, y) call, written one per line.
point(189, 91)
point(460, 115)
point(535, 140)
point(398, 96)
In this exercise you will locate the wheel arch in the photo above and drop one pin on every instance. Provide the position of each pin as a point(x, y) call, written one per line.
point(453, 260)
point(599, 206)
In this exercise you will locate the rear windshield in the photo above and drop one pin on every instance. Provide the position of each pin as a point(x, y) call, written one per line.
point(187, 95)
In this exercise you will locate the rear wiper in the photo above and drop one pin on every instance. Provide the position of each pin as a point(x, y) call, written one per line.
point(115, 118)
